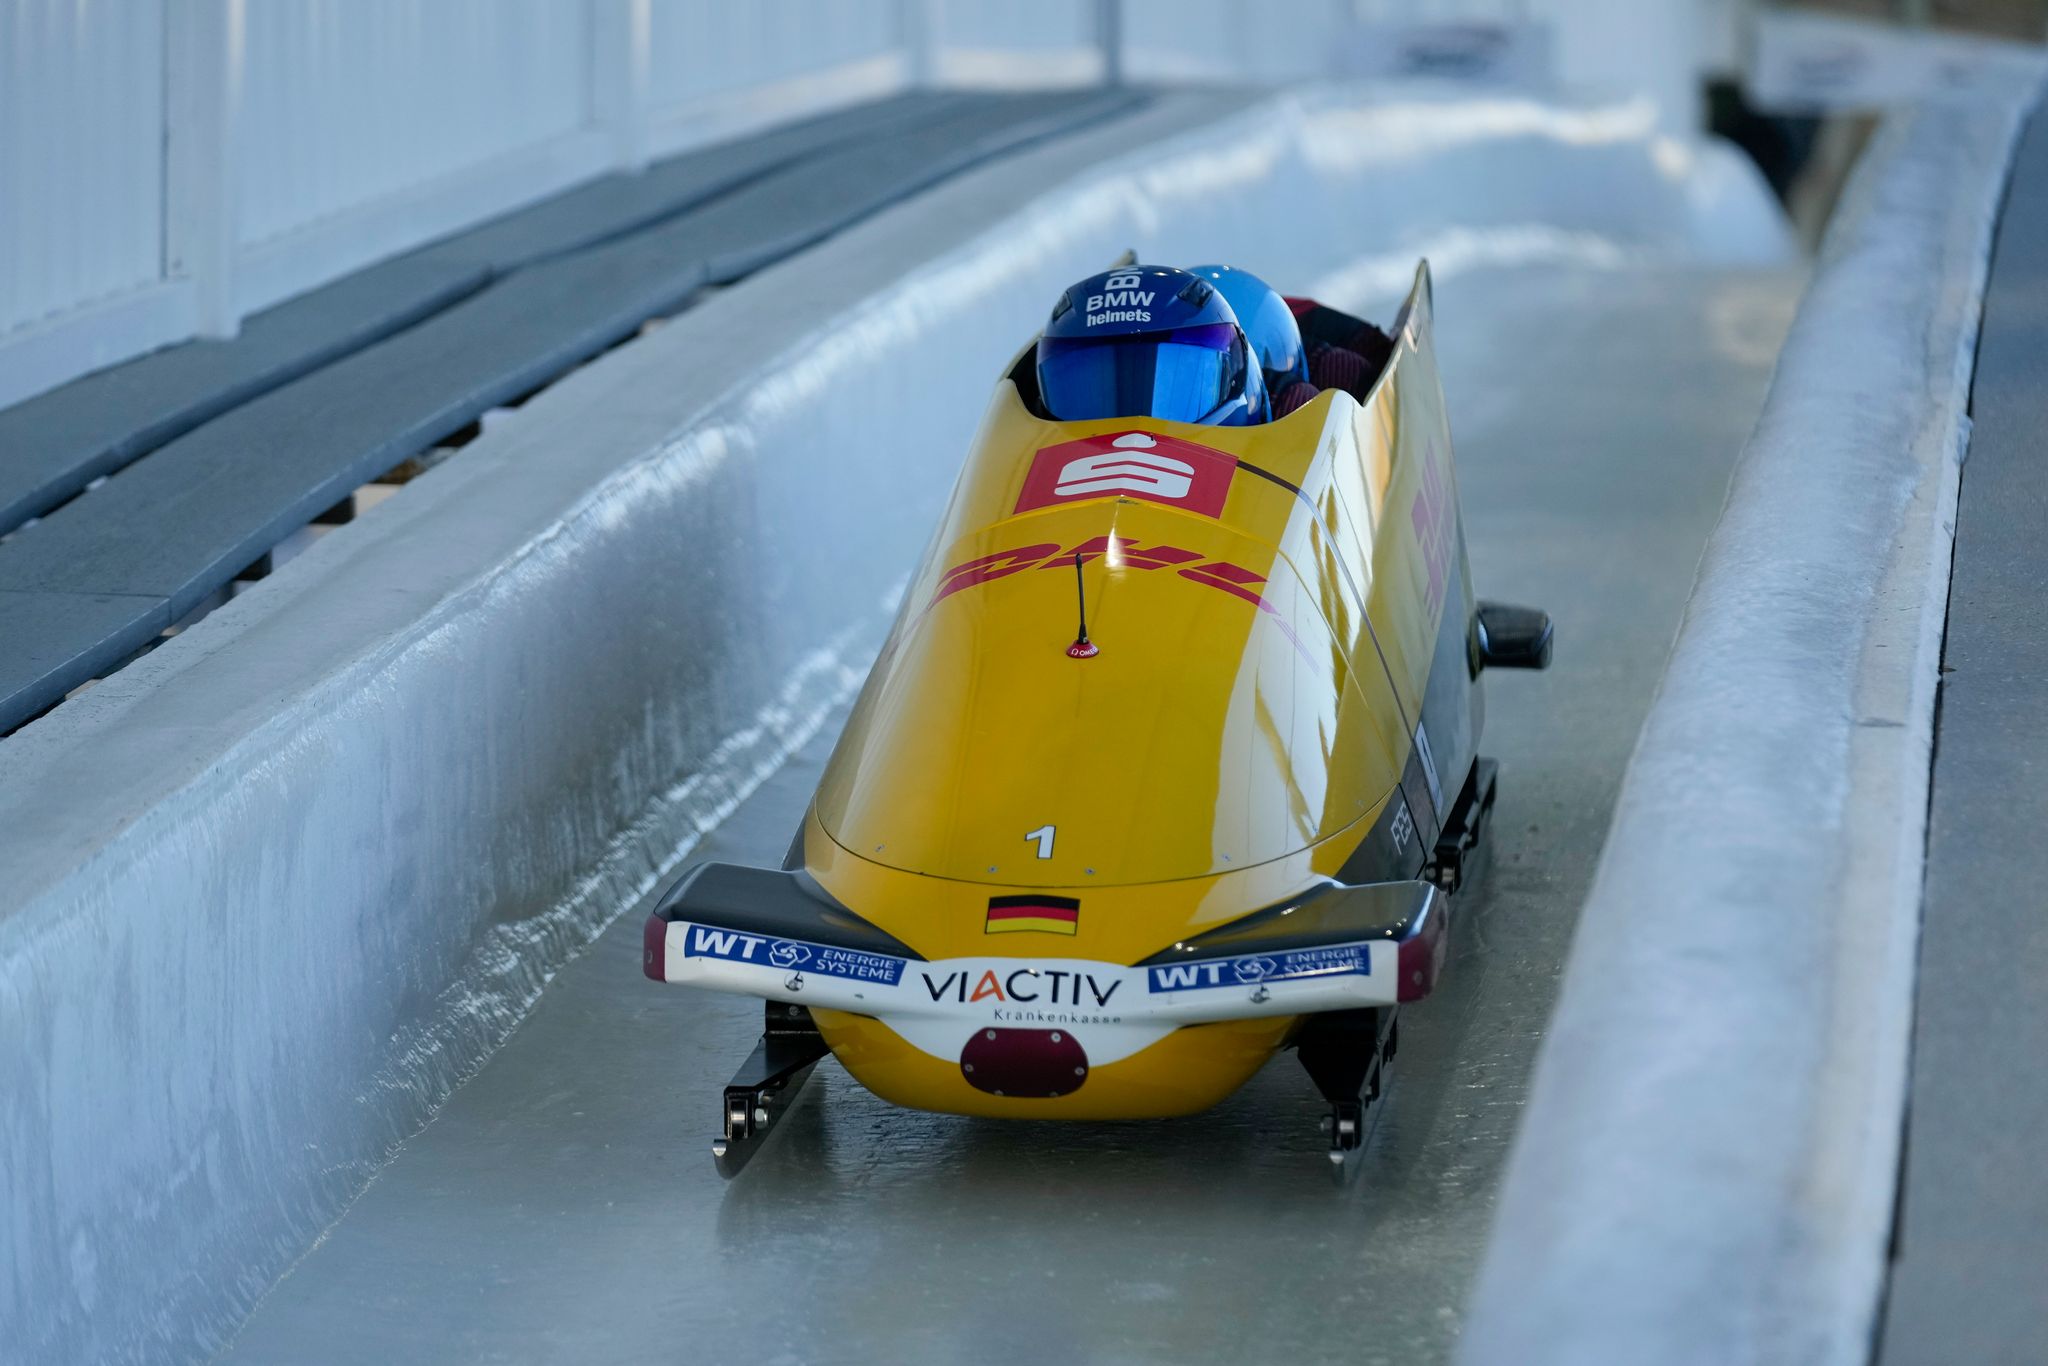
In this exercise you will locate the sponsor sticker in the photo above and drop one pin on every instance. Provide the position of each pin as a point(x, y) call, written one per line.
point(1251, 969)
point(1189, 564)
point(1124, 299)
point(794, 955)
point(1159, 469)
point(1436, 791)
point(1229, 578)
point(1434, 516)
point(1009, 984)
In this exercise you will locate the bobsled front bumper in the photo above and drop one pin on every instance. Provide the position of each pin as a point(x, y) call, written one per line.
point(774, 935)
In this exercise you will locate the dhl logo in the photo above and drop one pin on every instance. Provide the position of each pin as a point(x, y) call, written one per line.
point(1189, 564)
point(1435, 519)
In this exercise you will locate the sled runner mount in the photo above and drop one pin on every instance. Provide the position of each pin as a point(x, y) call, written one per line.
point(766, 1085)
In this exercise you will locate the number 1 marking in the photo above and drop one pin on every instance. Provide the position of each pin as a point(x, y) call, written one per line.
point(1043, 835)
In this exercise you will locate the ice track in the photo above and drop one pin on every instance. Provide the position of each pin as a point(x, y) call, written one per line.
point(563, 1208)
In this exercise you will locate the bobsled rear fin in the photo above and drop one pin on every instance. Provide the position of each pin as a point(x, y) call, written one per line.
point(1330, 914)
point(774, 903)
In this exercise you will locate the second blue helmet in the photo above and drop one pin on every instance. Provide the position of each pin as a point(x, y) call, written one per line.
point(1268, 323)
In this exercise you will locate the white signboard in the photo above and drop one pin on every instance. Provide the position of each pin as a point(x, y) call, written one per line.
point(1818, 63)
point(1478, 52)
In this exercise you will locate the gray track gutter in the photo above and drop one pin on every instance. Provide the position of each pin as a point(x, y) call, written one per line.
point(1972, 1236)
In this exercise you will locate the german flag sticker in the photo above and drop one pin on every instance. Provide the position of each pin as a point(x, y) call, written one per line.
point(1046, 914)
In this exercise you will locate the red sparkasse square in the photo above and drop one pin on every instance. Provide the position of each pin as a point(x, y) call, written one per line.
point(1161, 469)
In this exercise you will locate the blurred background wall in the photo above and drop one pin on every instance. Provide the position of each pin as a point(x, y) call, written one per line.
point(168, 167)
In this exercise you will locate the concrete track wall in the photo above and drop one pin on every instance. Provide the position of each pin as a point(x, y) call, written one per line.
point(275, 889)
point(1708, 1165)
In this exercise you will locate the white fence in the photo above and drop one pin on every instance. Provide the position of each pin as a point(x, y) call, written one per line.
point(169, 166)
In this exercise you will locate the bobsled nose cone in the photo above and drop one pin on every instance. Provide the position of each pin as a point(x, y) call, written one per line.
point(1038, 1063)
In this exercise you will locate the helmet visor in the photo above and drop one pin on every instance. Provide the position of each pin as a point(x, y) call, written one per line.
point(1178, 376)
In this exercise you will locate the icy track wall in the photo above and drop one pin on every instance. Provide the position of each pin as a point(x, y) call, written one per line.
point(277, 888)
point(1708, 1165)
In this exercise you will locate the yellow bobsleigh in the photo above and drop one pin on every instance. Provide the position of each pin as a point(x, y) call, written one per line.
point(1168, 763)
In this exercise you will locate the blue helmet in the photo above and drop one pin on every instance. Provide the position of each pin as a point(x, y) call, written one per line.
point(1148, 341)
point(1268, 323)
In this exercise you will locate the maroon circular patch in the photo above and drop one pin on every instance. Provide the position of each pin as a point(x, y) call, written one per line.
point(1034, 1063)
